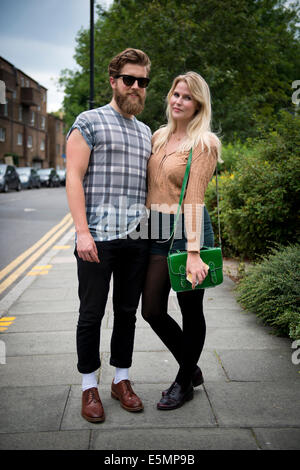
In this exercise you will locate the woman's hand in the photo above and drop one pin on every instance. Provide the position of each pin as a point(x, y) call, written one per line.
point(196, 268)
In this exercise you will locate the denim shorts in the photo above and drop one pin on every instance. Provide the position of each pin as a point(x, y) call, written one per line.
point(160, 242)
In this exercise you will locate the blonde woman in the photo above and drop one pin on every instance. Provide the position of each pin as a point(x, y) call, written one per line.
point(188, 126)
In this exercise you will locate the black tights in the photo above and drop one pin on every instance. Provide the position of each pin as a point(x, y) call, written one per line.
point(184, 343)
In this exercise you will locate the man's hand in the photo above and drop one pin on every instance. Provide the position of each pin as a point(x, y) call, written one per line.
point(86, 248)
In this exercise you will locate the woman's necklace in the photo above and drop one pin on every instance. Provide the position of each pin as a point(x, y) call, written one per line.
point(173, 144)
point(178, 138)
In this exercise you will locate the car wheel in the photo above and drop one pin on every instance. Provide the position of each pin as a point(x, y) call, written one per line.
point(5, 189)
point(19, 187)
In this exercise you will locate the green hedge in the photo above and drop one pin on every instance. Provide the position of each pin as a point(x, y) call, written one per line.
point(271, 289)
point(260, 191)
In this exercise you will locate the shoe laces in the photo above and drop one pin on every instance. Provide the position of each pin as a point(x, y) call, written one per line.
point(171, 390)
point(92, 395)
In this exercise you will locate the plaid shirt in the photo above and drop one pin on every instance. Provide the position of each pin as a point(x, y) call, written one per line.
point(115, 181)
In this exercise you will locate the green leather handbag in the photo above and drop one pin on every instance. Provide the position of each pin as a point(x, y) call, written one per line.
point(212, 256)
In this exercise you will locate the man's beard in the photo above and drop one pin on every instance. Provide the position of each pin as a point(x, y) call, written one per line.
point(127, 106)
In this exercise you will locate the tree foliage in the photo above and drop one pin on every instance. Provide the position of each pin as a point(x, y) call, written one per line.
point(260, 198)
point(247, 50)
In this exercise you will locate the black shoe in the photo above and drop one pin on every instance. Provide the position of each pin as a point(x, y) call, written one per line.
point(197, 379)
point(175, 397)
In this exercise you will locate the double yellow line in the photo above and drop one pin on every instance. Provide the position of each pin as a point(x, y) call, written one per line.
point(34, 252)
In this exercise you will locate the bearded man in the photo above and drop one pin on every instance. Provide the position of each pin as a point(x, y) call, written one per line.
point(107, 155)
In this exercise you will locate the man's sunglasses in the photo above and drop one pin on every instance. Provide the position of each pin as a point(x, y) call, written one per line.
point(129, 80)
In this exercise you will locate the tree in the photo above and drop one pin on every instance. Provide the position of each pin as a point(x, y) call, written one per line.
point(247, 50)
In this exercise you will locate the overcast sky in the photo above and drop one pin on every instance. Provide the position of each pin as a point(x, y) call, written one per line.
point(38, 37)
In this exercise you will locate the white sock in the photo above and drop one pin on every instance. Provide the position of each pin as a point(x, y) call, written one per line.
point(89, 381)
point(121, 374)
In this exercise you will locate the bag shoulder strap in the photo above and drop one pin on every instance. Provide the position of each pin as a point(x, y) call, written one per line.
point(184, 183)
point(183, 188)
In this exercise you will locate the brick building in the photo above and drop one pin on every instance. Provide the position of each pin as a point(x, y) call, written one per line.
point(56, 141)
point(27, 133)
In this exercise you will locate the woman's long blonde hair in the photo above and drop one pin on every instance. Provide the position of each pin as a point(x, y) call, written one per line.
point(199, 128)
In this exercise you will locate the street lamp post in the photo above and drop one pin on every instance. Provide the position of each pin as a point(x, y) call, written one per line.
point(91, 54)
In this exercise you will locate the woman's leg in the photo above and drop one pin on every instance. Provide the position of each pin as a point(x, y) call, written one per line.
point(155, 305)
point(193, 333)
point(185, 344)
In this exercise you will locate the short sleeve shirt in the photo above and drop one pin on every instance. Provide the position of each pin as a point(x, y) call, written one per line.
point(115, 181)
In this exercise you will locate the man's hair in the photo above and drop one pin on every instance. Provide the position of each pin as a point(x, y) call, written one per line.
point(131, 56)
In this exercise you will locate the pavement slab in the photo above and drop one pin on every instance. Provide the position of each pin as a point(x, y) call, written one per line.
point(249, 399)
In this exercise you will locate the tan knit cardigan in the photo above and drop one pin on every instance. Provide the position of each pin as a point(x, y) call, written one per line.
point(165, 177)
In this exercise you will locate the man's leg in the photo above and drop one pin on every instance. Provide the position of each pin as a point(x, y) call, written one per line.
point(129, 277)
point(94, 279)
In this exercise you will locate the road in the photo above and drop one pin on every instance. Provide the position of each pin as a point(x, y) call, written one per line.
point(26, 217)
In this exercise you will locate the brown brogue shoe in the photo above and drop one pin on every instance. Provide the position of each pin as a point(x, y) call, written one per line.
point(123, 392)
point(92, 409)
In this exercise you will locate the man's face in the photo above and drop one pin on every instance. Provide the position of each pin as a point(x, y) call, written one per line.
point(130, 99)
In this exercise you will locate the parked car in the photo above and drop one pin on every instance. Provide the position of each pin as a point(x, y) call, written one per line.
point(49, 177)
point(29, 177)
point(62, 176)
point(9, 178)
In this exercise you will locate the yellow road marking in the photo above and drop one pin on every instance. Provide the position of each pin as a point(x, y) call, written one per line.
point(37, 273)
point(5, 322)
point(67, 222)
point(39, 270)
point(30, 250)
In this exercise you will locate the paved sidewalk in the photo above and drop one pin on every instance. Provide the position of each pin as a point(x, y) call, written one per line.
point(250, 398)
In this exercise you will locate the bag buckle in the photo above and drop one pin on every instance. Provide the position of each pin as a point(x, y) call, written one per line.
point(212, 272)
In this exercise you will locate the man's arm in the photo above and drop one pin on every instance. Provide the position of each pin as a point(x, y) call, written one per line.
point(78, 155)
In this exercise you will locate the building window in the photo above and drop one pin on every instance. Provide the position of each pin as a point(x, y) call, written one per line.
point(2, 134)
point(20, 139)
point(57, 149)
point(29, 141)
point(27, 83)
point(20, 113)
point(57, 126)
point(14, 94)
point(42, 147)
point(22, 81)
point(5, 109)
point(43, 123)
point(32, 118)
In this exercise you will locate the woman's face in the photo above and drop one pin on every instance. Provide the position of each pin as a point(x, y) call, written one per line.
point(182, 104)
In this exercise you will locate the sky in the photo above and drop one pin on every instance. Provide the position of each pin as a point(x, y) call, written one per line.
point(38, 37)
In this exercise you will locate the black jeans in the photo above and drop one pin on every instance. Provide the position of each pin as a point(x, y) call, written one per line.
point(126, 260)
